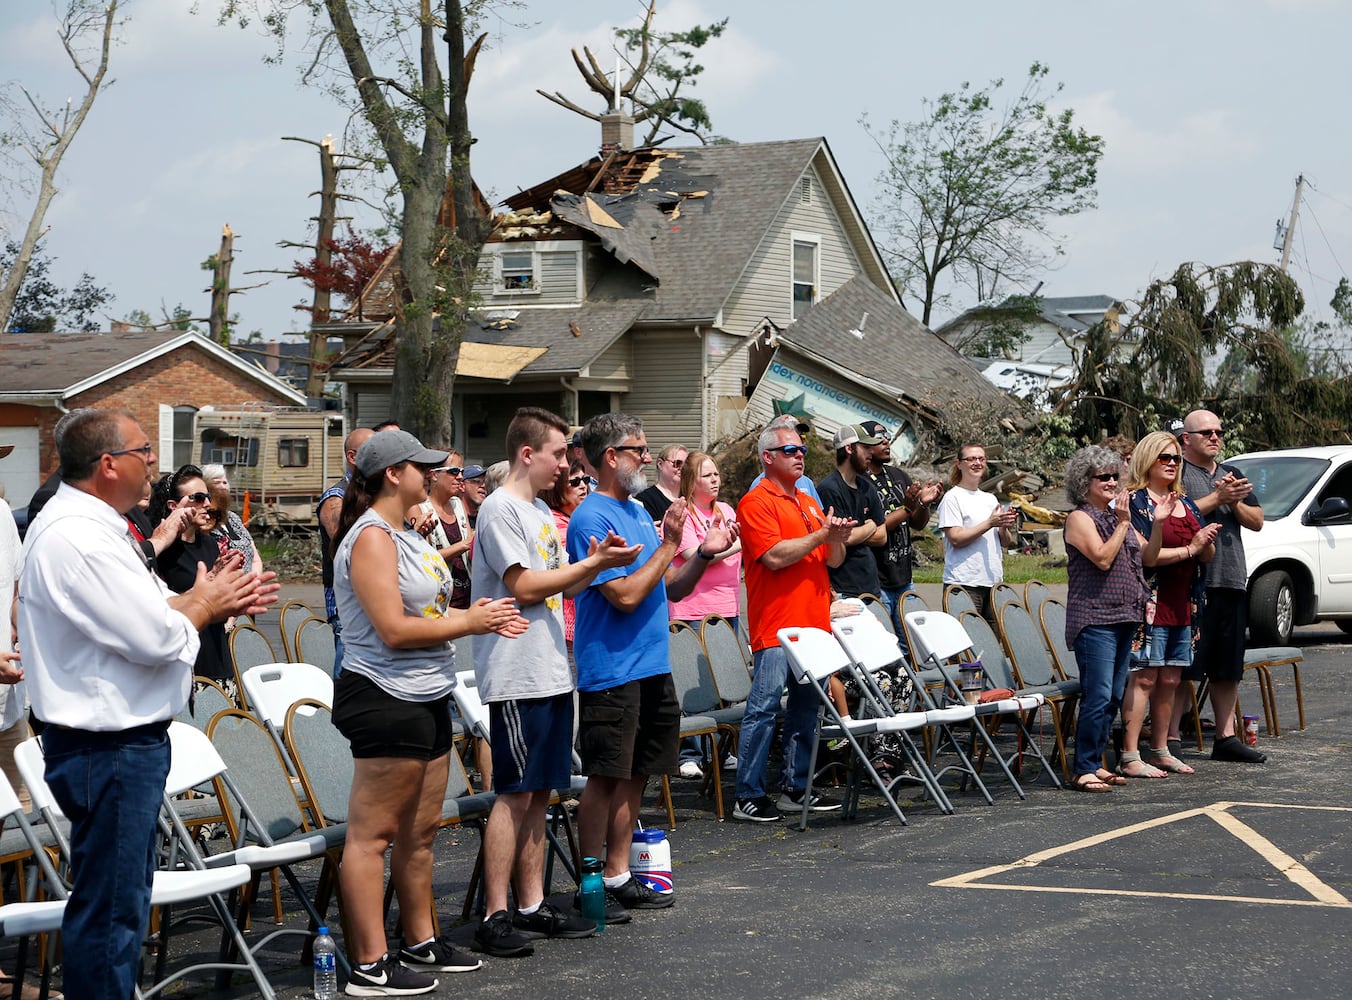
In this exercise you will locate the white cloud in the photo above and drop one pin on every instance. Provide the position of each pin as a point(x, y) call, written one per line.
point(1198, 140)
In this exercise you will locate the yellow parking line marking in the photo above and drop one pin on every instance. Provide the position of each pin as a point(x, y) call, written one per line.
point(1323, 895)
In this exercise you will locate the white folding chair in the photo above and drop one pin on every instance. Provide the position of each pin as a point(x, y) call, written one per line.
point(31, 916)
point(272, 688)
point(941, 638)
point(813, 656)
point(169, 887)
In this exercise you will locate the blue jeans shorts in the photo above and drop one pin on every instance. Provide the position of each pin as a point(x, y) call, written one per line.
point(1165, 646)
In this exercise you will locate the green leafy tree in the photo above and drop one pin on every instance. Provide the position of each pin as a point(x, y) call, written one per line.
point(1266, 385)
point(42, 306)
point(404, 68)
point(971, 191)
point(997, 331)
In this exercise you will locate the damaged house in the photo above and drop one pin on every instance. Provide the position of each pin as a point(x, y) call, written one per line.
point(692, 287)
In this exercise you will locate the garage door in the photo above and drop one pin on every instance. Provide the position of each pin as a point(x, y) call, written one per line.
point(19, 469)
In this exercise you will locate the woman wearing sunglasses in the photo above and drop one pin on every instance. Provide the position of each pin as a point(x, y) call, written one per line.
point(562, 499)
point(1160, 505)
point(184, 495)
point(1105, 602)
point(449, 532)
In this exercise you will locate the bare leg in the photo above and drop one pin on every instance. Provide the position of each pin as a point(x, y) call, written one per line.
point(411, 858)
point(1224, 697)
point(1139, 694)
point(514, 840)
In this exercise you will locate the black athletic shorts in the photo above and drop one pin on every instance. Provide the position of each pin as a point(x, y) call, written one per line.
point(377, 724)
point(1220, 646)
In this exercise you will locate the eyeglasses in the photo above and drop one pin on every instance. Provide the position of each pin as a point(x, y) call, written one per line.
point(1107, 477)
point(577, 481)
point(1211, 432)
point(144, 451)
point(637, 449)
point(675, 463)
point(791, 450)
point(1171, 459)
point(974, 459)
point(195, 498)
point(450, 470)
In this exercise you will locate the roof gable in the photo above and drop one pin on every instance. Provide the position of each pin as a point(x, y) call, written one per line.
point(66, 364)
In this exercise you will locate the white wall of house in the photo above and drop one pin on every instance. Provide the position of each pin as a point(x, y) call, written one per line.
point(766, 288)
point(557, 274)
point(19, 469)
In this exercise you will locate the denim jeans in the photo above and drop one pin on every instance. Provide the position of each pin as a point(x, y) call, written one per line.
point(110, 786)
point(770, 672)
point(1103, 653)
point(892, 602)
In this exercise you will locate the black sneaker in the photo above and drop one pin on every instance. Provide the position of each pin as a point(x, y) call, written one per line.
point(793, 802)
point(550, 922)
point(497, 937)
point(1232, 748)
point(636, 895)
point(387, 978)
point(616, 912)
point(761, 810)
point(436, 956)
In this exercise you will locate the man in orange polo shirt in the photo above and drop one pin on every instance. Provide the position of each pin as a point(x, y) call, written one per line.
point(788, 543)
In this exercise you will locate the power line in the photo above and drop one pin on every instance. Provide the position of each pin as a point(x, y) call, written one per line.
point(1310, 185)
point(1320, 227)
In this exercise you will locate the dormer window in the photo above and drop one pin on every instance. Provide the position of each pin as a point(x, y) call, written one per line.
point(517, 271)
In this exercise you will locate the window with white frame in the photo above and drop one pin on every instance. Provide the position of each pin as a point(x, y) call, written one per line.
point(805, 268)
point(183, 438)
point(517, 271)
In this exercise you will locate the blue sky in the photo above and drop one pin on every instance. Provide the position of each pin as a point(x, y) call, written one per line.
point(1210, 110)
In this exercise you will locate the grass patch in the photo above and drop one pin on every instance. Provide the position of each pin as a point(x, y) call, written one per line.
point(1019, 568)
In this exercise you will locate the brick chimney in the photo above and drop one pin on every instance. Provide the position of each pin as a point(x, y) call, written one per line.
point(617, 132)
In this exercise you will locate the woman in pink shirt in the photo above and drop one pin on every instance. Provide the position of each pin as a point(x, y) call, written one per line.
point(719, 589)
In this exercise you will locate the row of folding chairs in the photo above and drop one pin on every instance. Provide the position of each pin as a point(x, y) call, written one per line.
point(307, 637)
point(931, 729)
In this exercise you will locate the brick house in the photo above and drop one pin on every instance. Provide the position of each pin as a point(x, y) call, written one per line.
point(164, 379)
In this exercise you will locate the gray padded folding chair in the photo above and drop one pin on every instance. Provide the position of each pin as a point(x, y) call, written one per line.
point(1034, 593)
point(314, 644)
point(729, 659)
point(957, 600)
point(701, 711)
point(291, 615)
point(1036, 671)
point(248, 648)
point(940, 638)
point(1003, 594)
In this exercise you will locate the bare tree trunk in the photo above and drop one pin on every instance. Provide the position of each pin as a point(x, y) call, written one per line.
point(218, 324)
point(323, 300)
point(54, 137)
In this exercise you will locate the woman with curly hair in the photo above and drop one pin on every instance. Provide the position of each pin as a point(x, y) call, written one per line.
point(1160, 506)
point(1105, 602)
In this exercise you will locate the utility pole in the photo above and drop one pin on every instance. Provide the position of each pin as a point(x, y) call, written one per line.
point(1291, 225)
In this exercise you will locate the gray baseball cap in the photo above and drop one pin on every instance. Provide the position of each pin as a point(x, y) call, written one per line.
point(853, 434)
point(394, 448)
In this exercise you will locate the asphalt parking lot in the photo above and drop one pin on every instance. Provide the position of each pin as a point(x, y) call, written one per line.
point(1233, 882)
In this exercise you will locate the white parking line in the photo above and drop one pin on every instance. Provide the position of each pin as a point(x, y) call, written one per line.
point(1219, 812)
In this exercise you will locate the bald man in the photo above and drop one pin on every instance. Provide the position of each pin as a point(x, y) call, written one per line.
point(330, 506)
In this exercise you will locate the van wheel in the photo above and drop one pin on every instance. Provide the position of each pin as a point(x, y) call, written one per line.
point(1272, 609)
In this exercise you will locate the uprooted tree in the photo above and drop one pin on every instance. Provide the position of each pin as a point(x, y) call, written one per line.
point(1218, 337)
point(40, 134)
point(417, 119)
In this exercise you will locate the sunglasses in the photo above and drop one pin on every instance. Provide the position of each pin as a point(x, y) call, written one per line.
point(637, 449)
point(195, 498)
point(1171, 459)
point(450, 470)
point(1107, 477)
point(577, 481)
point(791, 450)
point(1211, 432)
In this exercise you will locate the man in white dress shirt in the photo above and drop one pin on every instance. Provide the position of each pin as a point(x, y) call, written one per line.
point(108, 654)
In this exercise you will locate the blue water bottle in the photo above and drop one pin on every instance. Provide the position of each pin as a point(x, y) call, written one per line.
point(592, 893)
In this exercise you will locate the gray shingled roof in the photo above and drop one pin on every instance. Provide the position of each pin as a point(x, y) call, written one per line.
point(600, 322)
point(896, 351)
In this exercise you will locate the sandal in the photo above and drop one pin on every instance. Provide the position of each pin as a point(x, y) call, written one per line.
point(1090, 783)
point(1166, 761)
point(1134, 767)
point(1108, 778)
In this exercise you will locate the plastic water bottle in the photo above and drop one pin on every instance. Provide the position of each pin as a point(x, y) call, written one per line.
point(592, 893)
point(326, 966)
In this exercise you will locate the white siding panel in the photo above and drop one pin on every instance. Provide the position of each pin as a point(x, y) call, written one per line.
point(666, 388)
point(765, 288)
point(613, 362)
point(557, 270)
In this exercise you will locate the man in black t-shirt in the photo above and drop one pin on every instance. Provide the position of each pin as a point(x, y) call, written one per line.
point(850, 493)
point(906, 505)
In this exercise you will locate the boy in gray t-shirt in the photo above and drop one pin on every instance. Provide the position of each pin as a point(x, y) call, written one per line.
point(527, 685)
point(514, 533)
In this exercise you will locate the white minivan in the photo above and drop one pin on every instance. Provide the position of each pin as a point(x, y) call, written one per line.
point(1300, 564)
